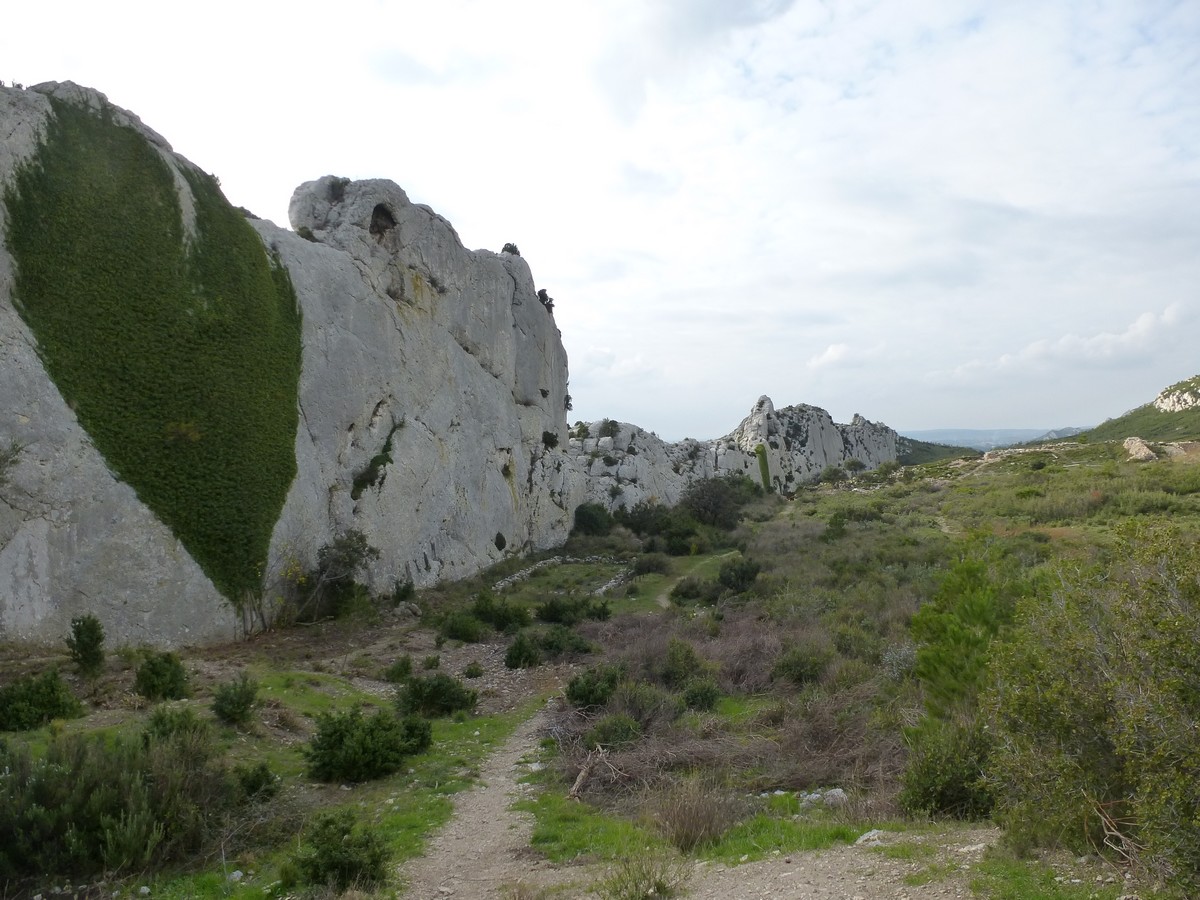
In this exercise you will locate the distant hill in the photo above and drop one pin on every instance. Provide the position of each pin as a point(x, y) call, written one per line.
point(911, 452)
point(1174, 415)
point(987, 438)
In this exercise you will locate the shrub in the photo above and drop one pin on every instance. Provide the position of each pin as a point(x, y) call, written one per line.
point(642, 872)
point(647, 704)
point(523, 653)
point(804, 663)
point(615, 731)
point(549, 440)
point(594, 686)
point(944, 775)
point(719, 501)
point(351, 747)
point(94, 804)
point(561, 611)
point(435, 695)
point(609, 428)
point(257, 781)
point(473, 669)
point(462, 626)
point(680, 664)
point(738, 574)
point(174, 721)
point(33, 700)
point(86, 645)
point(649, 563)
point(558, 640)
point(694, 589)
point(233, 703)
point(399, 671)
point(511, 248)
point(339, 853)
point(702, 694)
point(593, 519)
point(161, 676)
point(500, 614)
point(695, 814)
point(431, 662)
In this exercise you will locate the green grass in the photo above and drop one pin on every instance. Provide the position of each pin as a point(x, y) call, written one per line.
point(311, 693)
point(1001, 877)
point(1150, 424)
point(567, 831)
point(765, 833)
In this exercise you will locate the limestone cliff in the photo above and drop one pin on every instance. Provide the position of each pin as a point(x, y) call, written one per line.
point(781, 449)
point(430, 390)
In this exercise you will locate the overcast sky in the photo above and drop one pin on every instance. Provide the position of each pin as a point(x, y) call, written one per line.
point(936, 214)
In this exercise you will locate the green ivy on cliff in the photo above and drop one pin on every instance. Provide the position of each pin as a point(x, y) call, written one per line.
point(179, 354)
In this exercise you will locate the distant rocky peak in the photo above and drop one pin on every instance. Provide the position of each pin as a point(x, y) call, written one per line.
point(1179, 397)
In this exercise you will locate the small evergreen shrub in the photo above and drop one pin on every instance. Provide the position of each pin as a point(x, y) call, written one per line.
point(560, 611)
point(33, 700)
point(161, 676)
point(339, 853)
point(702, 693)
point(523, 653)
point(593, 687)
point(649, 563)
point(174, 721)
point(233, 703)
point(399, 671)
point(549, 439)
point(558, 640)
point(86, 645)
point(647, 704)
point(349, 746)
point(944, 775)
point(473, 669)
point(500, 614)
point(615, 731)
point(257, 781)
point(462, 626)
point(431, 662)
point(804, 663)
point(681, 664)
point(738, 575)
point(435, 695)
point(593, 519)
point(609, 428)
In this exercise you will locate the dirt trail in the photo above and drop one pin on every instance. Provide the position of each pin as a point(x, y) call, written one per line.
point(484, 852)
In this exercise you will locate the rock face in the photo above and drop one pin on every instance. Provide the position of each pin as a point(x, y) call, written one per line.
point(431, 400)
point(435, 361)
point(781, 449)
point(432, 397)
point(1179, 397)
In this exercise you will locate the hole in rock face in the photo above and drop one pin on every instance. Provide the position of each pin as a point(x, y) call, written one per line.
point(382, 221)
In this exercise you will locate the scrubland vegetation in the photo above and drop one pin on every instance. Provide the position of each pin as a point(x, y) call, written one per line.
point(1010, 640)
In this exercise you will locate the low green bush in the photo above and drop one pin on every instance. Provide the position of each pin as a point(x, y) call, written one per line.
point(500, 614)
point(523, 653)
point(651, 563)
point(93, 804)
point(462, 626)
point(702, 693)
point(945, 771)
point(161, 676)
point(615, 731)
point(559, 640)
point(435, 695)
point(33, 700)
point(86, 645)
point(233, 702)
point(473, 670)
point(572, 610)
point(349, 746)
point(339, 853)
point(738, 575)
point(803, 663)
point(594, 686)
point(257, 781)
point(168, 721)
point(399, 671)
point(593, 519)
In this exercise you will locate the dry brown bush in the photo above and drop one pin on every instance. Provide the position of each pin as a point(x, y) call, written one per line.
point(696, 812)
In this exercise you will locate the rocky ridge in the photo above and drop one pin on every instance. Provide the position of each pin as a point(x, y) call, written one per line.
point(1179, 397)
point(781, 449)
point(432, 418)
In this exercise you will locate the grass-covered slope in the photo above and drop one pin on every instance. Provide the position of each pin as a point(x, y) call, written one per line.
point(180, 357)
point(1152, 423)
point(911, 452)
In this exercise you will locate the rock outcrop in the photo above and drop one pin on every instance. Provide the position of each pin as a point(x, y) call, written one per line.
point(1179, 397)
point(432, 399)
point(781, 449)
